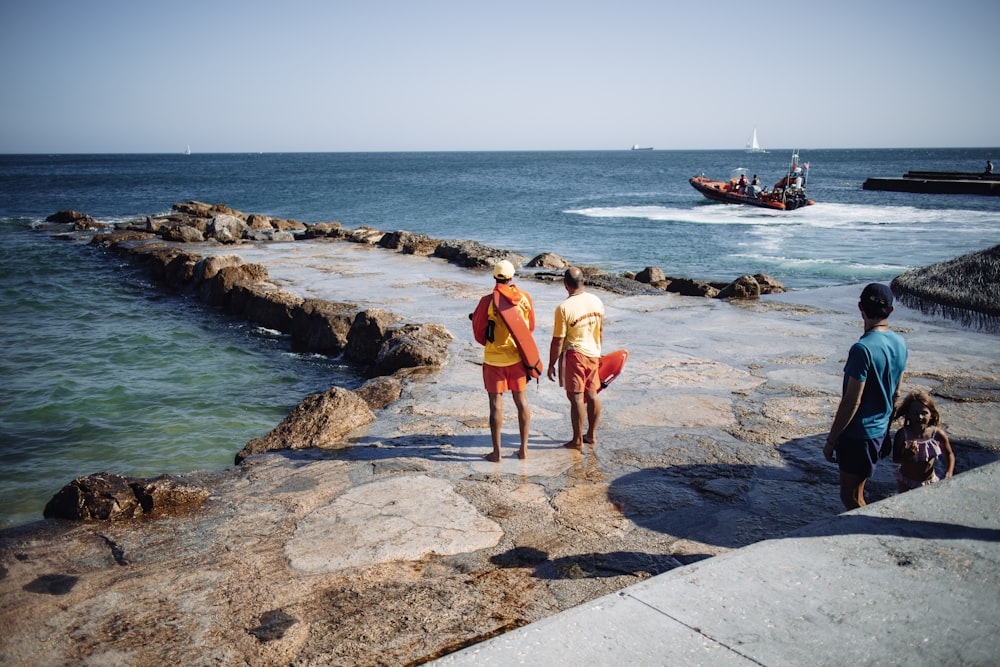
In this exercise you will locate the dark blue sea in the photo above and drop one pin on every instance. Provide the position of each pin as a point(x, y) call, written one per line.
point(98, 371)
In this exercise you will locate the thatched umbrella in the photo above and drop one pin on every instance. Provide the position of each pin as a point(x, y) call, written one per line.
point(966, 288)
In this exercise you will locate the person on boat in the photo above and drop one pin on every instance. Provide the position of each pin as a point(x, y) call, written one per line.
point(755, 187)
point(741, 187)
point(989, 167)
point(576, 343)
point(503, 369)
point(859, 435)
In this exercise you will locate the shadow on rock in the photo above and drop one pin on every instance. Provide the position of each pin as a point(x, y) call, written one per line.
point(586, 566)
point(865, 524)
point(685, 501)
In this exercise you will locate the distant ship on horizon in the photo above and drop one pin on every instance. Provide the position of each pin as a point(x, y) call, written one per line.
point(637, 147)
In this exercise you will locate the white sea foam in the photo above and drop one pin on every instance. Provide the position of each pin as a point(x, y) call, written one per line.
point(818, 215)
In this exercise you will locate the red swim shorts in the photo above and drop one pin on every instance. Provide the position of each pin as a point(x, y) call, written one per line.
point(499, 379)
point(581, 372)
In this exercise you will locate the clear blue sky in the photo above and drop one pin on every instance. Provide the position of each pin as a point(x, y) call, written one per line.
point(385, 75)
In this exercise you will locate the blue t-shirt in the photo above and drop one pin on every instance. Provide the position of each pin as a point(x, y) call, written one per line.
point(877, 359)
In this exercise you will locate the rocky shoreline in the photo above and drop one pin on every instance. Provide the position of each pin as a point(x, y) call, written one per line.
point(393, 542)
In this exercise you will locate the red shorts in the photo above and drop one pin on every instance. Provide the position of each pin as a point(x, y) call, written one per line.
point(499, 379)
point(581, 372)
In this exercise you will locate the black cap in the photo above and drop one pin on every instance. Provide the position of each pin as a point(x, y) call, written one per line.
point(877, 293)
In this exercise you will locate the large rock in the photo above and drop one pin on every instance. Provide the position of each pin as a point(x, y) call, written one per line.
point(182, 234)
point(226, 228)
point(548, 260)
point(369, 329)
point(69, 217)
point(651, 275)
point(409, 243)
point(217, 291)
point(320, 420)
point(322, 230)
point(322, 326)
point(109, 497)
point(381, 392)
point(264, 304)
point(744, 287)
point(474, 255)
point(689, 287)
point(208, 267)
point(411, 346)
point(202, 210)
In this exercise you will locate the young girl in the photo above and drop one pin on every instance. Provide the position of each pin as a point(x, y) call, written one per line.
point(919, 443)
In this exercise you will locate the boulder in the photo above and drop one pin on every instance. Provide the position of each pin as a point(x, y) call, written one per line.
point(768, 285)
point(689, 287)
point(320, 420)
point(322, 326)
point(321, 230)
point(282, 225)
point(216, 291)
point(202, 210)
point(226, 228)
point(409, 243)
point(744, 287)
point(69, 216)
point(368, 330)
point(109, 497)
point(259, 222)
point(474, 255)
point(366, 235)
point(181, 234)
point(381, 392)
point(100, 497)
point(413, 345)
point(120, 236)
point(651, 275)
point(168, 494)
point(264, 304)
point(548, 260)
point(207, 268)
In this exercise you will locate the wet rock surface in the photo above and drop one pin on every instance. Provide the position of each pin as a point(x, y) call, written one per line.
point(398, 543)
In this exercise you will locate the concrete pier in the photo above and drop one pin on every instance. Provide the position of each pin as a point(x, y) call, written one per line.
point(913, 579)
point(939, 183)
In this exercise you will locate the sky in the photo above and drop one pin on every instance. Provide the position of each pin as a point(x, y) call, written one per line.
point(148, 76)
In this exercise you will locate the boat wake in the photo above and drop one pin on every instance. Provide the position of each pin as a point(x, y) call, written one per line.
point(820, 215)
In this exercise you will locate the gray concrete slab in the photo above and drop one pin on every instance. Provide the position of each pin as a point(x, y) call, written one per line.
point(913, 579)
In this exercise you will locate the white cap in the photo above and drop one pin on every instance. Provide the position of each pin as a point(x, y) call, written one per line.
point(503, 270)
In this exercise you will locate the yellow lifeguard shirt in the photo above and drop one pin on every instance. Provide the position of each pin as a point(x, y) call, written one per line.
point(580, 323)
point(503, 350)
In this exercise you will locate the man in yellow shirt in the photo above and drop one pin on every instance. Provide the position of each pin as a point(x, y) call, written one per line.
point(577, 336)
point(503, 369)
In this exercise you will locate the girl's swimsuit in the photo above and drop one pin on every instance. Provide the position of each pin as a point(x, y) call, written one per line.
point(927, 450)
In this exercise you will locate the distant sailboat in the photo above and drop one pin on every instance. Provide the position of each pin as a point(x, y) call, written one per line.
point(187, 151)
point(753, 146)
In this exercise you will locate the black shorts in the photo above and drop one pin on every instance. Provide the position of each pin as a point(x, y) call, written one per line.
point(858, 456)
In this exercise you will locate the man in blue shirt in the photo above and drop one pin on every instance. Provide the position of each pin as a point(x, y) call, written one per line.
point(875, 364)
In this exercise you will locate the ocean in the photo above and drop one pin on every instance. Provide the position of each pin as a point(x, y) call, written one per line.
point(102, 371)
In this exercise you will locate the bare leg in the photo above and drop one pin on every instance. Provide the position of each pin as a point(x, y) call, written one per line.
point(577, 412)
point(852, 490)
point(593, 416)
point(496, 423)
point(523, 421)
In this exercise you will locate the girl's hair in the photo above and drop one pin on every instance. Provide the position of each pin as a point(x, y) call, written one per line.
point(903, 410)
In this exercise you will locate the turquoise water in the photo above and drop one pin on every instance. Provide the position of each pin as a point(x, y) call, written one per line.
point(101, 372)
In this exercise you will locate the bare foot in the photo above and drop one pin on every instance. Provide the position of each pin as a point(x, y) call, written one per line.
point(522, 453)
point(493, 457)
point(578, 446)
point(590, 440)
